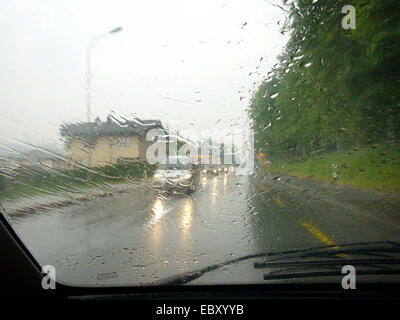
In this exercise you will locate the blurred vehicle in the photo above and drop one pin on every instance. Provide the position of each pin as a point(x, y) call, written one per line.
point(224, 169)
point(177, 175)
point(212, 169)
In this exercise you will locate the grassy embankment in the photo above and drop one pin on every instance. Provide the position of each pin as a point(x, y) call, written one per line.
point(376, 167)
point(26, 182)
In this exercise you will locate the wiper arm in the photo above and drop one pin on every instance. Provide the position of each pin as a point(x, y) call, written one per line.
point(377, 248)
point(342, 252)
point(331, 250)
point(282, 276)
point(326, 263)
point(380, 266)
point(192, 275)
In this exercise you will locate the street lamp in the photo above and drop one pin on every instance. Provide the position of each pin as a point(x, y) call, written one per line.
point(88, 72)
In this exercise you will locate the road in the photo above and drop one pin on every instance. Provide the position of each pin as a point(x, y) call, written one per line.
point(140, 237)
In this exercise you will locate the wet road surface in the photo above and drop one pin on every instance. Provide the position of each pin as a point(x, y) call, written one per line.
point(141, 237)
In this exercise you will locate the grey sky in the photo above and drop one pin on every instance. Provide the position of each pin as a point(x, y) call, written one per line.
point(179, 60)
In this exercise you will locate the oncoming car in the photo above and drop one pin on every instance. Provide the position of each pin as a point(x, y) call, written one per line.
point(213, 169)
point(178, 174)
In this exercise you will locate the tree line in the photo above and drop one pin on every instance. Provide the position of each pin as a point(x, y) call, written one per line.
point(333, 88)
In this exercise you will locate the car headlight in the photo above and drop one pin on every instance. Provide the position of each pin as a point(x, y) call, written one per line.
point(215, 171)
point(226, 169)
point(204, 171)
point(158, 176)
point(187, 176)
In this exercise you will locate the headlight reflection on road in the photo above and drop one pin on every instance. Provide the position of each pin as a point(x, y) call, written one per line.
point(156, 228)
point(158, 210)
point(214, 190)
point(225, 182)
point(186, 221)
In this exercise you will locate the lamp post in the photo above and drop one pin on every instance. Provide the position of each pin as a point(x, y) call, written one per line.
point(88, 71)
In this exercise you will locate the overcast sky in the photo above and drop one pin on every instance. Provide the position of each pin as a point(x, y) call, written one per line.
point(182, 61)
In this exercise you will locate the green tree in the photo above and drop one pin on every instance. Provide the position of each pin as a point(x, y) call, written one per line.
point(333, 88)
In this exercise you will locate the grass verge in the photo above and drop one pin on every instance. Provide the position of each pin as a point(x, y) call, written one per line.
point(375, 167)
point(29, 182)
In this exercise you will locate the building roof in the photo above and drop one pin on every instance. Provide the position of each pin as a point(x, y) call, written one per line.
point(112, 126)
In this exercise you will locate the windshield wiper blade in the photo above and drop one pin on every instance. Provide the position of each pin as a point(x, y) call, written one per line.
point(192, 275)
point(340, 251)
point(294, 275)
point(377, 248)
point(322, 263)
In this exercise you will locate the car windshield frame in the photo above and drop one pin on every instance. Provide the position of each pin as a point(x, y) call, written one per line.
point(290, 146)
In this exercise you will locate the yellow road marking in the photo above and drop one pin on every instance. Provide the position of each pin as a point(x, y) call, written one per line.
point(279, 202)
point(276, 199)
point(310, 228)
point(261, 187)
point(320, 236)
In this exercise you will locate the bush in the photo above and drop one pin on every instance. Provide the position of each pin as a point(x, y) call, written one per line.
point(30, 181)
point(138, 169)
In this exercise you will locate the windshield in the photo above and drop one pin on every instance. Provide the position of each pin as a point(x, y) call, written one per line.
point(287, 112)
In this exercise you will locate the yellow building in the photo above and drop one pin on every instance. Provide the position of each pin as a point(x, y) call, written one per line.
point(103, 143)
